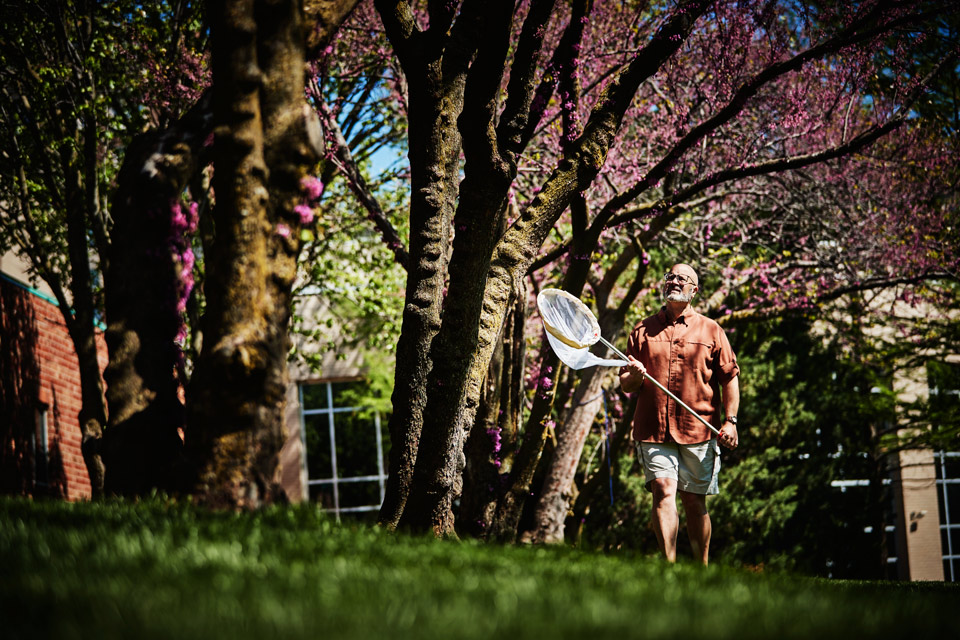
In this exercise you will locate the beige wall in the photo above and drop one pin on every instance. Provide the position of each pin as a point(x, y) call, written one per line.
point(13, 266)
point(343, 365)
point(919, 553)
point(293, 474)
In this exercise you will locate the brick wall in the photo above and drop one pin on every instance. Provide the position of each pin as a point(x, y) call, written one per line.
point(40, 391)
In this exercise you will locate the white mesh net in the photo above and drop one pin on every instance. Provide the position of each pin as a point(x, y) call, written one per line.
point(571, 329)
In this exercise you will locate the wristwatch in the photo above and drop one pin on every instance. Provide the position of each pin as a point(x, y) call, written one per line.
point(732, 420)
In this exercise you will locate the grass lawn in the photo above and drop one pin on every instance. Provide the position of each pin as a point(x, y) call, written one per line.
point(165, 570)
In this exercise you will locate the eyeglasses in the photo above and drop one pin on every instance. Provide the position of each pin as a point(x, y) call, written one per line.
point(677, 277)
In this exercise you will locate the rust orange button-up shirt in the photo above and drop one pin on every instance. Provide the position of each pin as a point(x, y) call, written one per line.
point(691, 357)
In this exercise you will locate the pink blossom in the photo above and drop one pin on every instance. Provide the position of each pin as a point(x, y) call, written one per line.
point(312, 187)
point(283, 230)
point(305, 213)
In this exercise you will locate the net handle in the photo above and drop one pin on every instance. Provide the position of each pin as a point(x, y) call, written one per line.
point(665, 390)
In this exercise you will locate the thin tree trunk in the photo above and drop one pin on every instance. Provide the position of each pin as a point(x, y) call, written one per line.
point(92, 415)
point(601, 479)
point(435, 84)
point(555, 498)
point(506, 519)
point(489, 449)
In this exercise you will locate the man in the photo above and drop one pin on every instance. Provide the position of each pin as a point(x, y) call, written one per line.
point(690, 355)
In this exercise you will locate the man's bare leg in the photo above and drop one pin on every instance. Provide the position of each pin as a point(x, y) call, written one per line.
point(666, 520)
point(699, 527)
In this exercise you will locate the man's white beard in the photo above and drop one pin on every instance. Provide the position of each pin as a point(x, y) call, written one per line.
point(678, 296)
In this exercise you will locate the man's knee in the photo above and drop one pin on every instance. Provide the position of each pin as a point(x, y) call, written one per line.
point(694, 503)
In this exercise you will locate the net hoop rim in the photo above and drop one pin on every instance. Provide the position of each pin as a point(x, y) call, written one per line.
point(580, 306)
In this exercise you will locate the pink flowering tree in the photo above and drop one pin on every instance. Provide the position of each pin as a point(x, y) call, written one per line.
point(106, 191)
point(593, 135)
point(813, 134)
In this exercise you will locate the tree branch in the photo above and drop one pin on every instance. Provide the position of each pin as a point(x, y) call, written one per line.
point(345, 163)
point(523, 76)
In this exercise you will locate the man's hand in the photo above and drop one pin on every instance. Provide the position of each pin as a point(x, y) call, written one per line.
point(631, 375)
point(728, 435)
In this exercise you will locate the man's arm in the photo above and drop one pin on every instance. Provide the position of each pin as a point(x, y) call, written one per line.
point(730, 393)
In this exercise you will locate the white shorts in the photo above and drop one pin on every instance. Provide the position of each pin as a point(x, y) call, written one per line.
point(695, 467)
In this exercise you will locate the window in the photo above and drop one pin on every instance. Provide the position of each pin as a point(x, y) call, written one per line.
point(344, 448)
point(943, 379)
point(948, 495)
point(41, 448)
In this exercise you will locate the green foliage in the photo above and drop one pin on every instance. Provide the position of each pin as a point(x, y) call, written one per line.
point(355, 285)
point(626, 523)
point(811, 410)
point(72, 103)
point(160, 569)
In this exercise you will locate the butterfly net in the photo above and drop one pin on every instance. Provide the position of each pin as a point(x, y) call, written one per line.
point(571, 329)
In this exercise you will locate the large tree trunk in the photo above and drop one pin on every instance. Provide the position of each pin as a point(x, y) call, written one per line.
point(146, 283)
point(267, 138)
point(435, 85)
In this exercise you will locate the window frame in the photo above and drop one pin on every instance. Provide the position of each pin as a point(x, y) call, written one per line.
point(335, 480)
point(951, 556)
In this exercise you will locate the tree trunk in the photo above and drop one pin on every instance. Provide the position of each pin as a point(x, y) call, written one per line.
point(80, 322)
point(490, 447)
point(601, 479)
point(146, 287)
point(435, 84)
point(266, 139)
point(506, 519)
point(554, 502)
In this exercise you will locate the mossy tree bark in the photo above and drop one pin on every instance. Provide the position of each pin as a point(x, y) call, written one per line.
point(266, 139)
point(435, 62)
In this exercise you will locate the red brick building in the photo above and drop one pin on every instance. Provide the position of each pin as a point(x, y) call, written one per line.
point(39, 397)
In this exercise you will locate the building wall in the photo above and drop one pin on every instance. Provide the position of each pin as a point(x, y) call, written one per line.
point(919, 552)
point(918, 538)
point(40, 376)
point(293, 474)
point(334, 365)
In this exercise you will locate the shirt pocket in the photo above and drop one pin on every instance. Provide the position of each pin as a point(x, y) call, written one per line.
point(655, 355)
point(700, 357)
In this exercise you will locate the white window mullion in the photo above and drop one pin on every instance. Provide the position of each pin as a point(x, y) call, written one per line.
point(946, 512)
point(304, 469)
point(333, 452)
point(380, 474)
